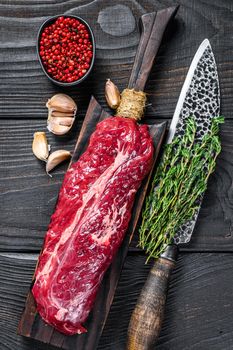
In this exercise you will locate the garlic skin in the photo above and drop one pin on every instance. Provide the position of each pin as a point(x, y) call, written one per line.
point(112, 94)
point(56, 158)
point(61, 114)
point(62, 103)
point(40, 146)
point(58, 126)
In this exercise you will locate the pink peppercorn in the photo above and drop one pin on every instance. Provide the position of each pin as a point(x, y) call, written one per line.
point(66, 49)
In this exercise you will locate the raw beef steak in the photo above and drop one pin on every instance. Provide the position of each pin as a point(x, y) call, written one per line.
point(90, 221)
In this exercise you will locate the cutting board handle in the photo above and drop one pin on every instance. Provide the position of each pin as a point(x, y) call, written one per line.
point(147, 317)
point(153, 27)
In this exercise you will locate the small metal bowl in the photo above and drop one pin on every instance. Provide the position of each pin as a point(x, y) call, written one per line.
point(43, 26)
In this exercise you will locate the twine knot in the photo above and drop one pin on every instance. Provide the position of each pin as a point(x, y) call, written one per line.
point(132, 104)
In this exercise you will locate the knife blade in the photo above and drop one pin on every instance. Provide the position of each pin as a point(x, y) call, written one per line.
point(199, 98)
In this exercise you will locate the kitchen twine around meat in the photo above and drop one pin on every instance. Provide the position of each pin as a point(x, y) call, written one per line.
point(132, 104)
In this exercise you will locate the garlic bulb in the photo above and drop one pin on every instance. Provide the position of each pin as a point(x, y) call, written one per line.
point(56, 158)
point(40, 146)
point(61, 114)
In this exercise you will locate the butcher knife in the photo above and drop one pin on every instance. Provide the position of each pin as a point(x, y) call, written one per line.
point(199, 98)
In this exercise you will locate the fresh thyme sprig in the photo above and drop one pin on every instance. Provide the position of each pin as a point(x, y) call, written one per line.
point(179, 183)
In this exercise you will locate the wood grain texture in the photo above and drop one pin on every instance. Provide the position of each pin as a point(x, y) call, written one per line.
point(28, 195)
point(199, 309)
point(31, 324)
point(153, 26)
point(147, 317)
point(24, 85)
point(198, 312)
point(24, 91)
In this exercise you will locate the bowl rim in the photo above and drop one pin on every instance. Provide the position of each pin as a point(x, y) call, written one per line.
point(40, 31)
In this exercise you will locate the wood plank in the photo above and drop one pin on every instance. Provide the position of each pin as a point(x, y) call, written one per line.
point(24, 87)
point(31, 325)
point(20, 98)
point(204, 320)
point(28, 195)
point(198, 312)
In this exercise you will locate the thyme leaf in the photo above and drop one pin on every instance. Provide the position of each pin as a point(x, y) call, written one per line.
point(178, 185)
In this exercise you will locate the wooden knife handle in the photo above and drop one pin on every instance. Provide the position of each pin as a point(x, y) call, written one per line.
point(147, 317)
point(153, 27)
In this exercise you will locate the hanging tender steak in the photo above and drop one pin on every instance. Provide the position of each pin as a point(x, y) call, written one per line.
point(90, 221)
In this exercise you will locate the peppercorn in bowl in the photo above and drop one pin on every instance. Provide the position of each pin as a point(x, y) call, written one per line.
point(66, 49)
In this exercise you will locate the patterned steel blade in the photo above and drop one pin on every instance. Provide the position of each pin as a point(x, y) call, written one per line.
point(199, 98)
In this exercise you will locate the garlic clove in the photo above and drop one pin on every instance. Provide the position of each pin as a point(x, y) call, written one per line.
point(62, 103)
point(61, 106)
point(62, 114)
point(112, 94)
point(40, 146)
point(56, 158)
point(67, 121)
point(58, 128)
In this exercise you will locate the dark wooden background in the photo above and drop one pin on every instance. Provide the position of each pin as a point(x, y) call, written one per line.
point(199, 309)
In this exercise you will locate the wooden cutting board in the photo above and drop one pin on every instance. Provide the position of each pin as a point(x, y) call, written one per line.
point(31, 324)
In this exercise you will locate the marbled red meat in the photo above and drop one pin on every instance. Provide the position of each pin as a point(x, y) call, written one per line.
point(90, 221)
